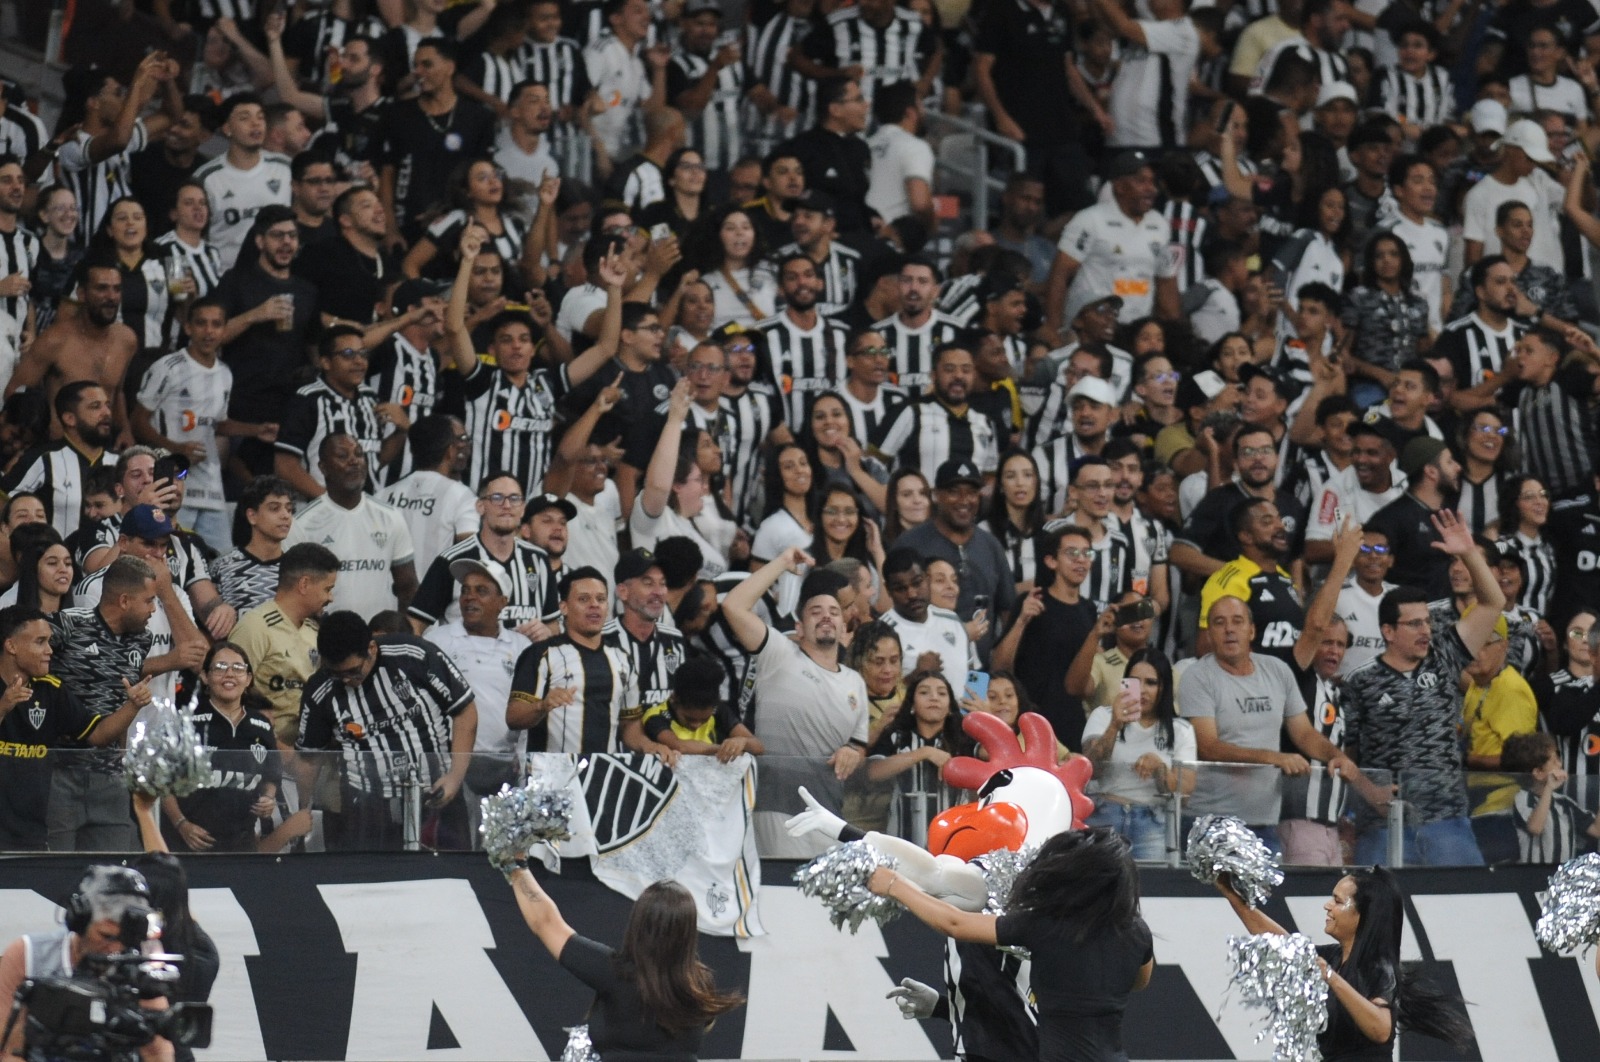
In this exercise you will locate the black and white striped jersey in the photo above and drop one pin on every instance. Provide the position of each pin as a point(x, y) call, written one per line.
point(1022, 555)
point(97, 184)
point(654, 659)
point(558, 66)
point(911, 363)
point(533, 584)
point(497, 75)
point(958, 298)
point(244, 580)
point(396, 722)
point(21, 132)
point(749, 419)
point(1211, 167)
point(309, 39)
point(445, 232)
point(801, 363)
point(583, 21)
point(715, 131)
point(55, 473)
point(1539, 560)
point(400, 373)
point(317, 411)
point(605, 692)
point(1054, 459)
point(1111, 570)
point(839, 272)
point(1479, 503)
point(238, 10)
point(926, 434)
point(898, 52)
point(146, 304)
point(1573, 708)
point(1555, 430)
point(1318, 795)
point(511, 426)
point(1331, 66)
point(19, 254)
point(1562, 836)
point(639, 183)
point(1426, 101)
point(1475, 349)
point(1150, 541)
point(869, 420)
point(205, 264)
point(1188, 224)
point(766, 58)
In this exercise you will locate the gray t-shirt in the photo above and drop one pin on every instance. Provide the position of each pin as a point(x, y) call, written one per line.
point(1250, 711)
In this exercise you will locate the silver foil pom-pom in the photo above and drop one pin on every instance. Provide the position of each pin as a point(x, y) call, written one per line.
point(165, 757)
point(1280, 972)
point(1000, 869)
point(579, 1048)
point(516, 819)
point(838, 877)
point(1571, 917)
point(1222, 844)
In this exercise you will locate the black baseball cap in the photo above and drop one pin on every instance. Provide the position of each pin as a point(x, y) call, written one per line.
point(633, 564)
point(540, 502)
point(952, 473)
point(812, 199)
point(1284, 388)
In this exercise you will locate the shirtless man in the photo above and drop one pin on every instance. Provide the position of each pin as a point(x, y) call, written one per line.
point(90, 344)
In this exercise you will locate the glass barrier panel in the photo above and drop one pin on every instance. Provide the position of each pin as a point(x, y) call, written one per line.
point(1435, 821)
point(1542, 817)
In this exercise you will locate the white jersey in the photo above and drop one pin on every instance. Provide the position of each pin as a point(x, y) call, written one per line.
point(369, 540)
point(1429, 244)
point(188, 400)
point(1119, 255)
point(87, 594)
point(622, 84)
point(1150, 96)
point(1342, 495)
point(592, 534)
point(437, 509)
point(897, 157)
point(943, 633)
point(487, 664)
point(1359, 610)
point(1566, 97)
point(1542, 197)
point(237, 196)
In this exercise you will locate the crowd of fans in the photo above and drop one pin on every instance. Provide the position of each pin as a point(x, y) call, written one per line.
point(413, 379)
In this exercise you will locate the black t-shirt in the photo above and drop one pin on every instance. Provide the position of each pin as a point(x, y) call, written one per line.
point(1043, 657)
point(641, 414)
point(424, 149)
point(1081, 987)
point(268, 365)
point(1031, 49)
point(1513, 24)
point(155, 181)
point(52, 717)
point(617, 1026)
point(1207, 526)
point(1342, 1040)
point(1408, 525)
point(349, 284)
point(837, 165)
point(245, 758)
point(351, 135)
point(1574, 531)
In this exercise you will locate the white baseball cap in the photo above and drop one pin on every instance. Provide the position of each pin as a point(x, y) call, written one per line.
point(1337, 90)
point(1488, 116)
point(1094, 389)
point(1527, 134)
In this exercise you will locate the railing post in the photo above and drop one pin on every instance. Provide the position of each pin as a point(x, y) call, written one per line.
point(980, 190)
point(1397, 833)
point(411, 809)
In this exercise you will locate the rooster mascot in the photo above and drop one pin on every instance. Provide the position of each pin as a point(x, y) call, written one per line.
point(1024, 798)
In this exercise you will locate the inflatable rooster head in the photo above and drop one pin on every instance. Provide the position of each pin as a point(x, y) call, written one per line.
point(1024, 796)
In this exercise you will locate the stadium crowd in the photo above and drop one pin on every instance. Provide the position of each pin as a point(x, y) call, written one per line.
point(414, 379)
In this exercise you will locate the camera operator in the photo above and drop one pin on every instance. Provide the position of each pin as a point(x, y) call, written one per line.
point(108, 910)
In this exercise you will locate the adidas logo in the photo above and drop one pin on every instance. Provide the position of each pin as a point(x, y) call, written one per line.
point(327, 540)
point(1266, 595)
point(1386, 701)
point(93, 650)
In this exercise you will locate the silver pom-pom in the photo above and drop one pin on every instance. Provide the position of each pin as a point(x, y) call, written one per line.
point(1280, 972)
point(165, 757)
point(1222, 844)
point(1000, 869)
point(579, 1047)
point(516, 819)
point(838, 877)
point(1571, 917)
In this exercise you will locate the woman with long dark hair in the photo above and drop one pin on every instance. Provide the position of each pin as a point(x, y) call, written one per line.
point(731, 263)
point(180, 933)
point(909, 503)
point(1076, 908)
point(124, 236)
point(477, 197)
point(1386, 316)
point(829, 439)
point(685, 176)
point(1524, 512)
point(912, 750)
point(1369, 991)
point(45, 574)
point(1016, 515)
point(654, 998)
point(844, 530)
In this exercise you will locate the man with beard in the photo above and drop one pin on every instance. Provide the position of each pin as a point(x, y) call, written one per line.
point(533, 586)
point(89, 345)
point(1480, 344)
point(1092, 404)
point(1147, 535)
point(1090, 353)
point(644, 630)
point(243, 179)
point(918, 329)
point(1257, 577)
point(351, 119)
point(803, 352)
point(19, 255)
point(954, 535)
point(1207, 536)
point(808, 704)
point(56, 472)
point(1121, 245)
point(544, 523)
point(279, 636)
point(931, 639)
point(815, 236)
point(1358, 491)
point(942, 428)
point(751, 414)
point(350, 269)
point(1433, 479)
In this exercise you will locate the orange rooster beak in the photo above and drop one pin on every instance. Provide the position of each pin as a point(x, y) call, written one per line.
point(968, 830)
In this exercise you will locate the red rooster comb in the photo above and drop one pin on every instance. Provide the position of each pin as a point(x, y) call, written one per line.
point(1006, 752)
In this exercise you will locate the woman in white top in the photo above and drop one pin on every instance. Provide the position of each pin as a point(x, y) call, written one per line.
point(674, 491)
point(1142, 742)
point(742, 285)
point(788, 522)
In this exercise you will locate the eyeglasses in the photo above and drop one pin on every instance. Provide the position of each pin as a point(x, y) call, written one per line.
point(834, 510)
point(1577, 632)
point(1164, 377)
point(350, 352)
point(692, 167)
point(742, 348)
point(708, 370)
point(222, 667)
point(1414, 624)
point(1077, 553)
point(498, 498)
point(1257, 451)
point(871, 352)
point(649, 328)
point(1530, 495)
point(1489, 429)
point(1381, 551)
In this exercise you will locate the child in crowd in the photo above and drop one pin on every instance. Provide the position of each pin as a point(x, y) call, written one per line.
point(913, 750)
point(1551, 828)
point(695, 720)
point(1415, 92)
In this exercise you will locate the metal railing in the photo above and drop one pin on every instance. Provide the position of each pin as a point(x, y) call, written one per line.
point(978, 178)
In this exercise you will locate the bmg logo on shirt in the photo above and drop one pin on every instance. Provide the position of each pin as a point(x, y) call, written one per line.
point(1255, 705)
